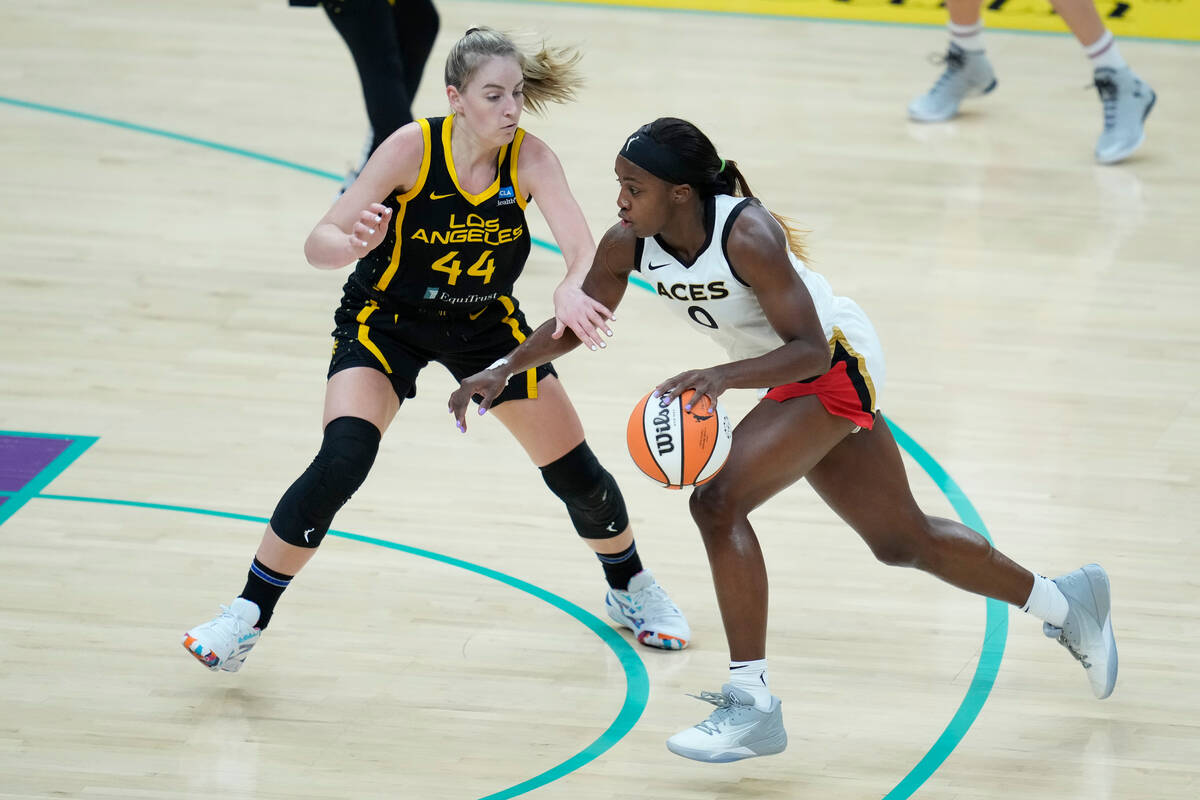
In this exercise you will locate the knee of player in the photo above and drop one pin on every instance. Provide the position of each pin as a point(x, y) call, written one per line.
point(306, 510)
point(901, 551)
point(713, 505)
point(589, 492)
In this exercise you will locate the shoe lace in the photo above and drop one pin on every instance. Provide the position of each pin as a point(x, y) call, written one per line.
point(1107, 89)
point(1065, 641)
point(725, 707)
point(655, 602)
point(953, 58)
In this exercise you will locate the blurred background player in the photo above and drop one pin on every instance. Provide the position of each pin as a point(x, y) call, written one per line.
point(1126, 98)
point(390, 41)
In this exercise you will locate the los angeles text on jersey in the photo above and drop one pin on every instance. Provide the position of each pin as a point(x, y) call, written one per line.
point(473, 229)
point(713, 290)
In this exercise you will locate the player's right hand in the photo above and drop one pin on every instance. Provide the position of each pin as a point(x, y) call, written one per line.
point(487, 385)
point(369, 230)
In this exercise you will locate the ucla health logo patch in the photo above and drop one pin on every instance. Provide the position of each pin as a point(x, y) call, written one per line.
point(506, 192)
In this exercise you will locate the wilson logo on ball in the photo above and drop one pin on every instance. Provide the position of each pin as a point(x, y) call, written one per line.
point(664, 442)
point(678, 448)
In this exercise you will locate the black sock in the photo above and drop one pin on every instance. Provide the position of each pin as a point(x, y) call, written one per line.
point(263, 588)
point(620, 567)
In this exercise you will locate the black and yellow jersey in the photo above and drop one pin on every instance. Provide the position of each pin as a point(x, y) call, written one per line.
point(448, 249)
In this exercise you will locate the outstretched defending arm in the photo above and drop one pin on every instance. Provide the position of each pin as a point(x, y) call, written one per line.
point(605, 282)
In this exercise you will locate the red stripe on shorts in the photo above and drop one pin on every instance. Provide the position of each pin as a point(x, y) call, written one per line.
point(835, 389)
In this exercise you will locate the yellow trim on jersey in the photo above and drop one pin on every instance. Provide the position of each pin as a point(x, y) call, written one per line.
point(402, 200)
point(516, 151)
point(530, 374)
point(364, 335)
point(426, 158)
point(394, 264)
point(473, 199)
point(838, 336)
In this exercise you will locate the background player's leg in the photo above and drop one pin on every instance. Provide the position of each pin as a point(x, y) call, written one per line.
point(968, 71)
point(416, 23)
point(1126, 99)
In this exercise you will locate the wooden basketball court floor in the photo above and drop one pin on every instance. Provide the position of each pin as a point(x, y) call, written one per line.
point(163, 355)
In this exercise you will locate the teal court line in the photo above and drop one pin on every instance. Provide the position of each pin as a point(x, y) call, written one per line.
point(996, 625)
point(637, 682)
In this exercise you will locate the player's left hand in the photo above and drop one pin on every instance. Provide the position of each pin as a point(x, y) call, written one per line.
point(587, 318)
point(708, 384)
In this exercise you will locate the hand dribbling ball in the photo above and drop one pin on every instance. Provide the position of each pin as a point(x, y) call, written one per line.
point(678, 448)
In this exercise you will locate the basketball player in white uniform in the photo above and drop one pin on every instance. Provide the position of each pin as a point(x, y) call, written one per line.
point(735, 272)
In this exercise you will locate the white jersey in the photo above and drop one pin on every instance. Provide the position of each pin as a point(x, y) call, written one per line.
point(714, 299)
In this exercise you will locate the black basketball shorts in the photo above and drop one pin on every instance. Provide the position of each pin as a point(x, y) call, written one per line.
point(400, 342)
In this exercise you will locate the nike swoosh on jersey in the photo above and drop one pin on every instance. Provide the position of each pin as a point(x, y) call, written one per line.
point(658, 266)
point(436, 196)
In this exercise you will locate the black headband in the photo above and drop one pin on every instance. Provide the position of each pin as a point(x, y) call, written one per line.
point(659, 160)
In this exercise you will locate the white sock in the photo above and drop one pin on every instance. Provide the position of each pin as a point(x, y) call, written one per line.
point(751, 676)
point(1046, 601)
point(1104, 53)
point(968, 37)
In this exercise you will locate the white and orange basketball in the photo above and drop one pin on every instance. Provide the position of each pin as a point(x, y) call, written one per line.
point(678, 448)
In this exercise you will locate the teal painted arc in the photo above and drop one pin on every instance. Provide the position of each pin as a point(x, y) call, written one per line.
point(637, 682)
point(994, 637)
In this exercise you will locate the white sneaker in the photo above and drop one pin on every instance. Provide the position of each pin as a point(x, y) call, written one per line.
point(224, 643)
point(967, 73)
point(736, 730)
point(1087, 632)
point(647, 611)
point(1127, 101)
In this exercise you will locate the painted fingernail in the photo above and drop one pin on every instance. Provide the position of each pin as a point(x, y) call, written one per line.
point(461, 427)
point(378, 218)
point(604, 344)
point(482, 411)
point(606, 330)
point(656, 393)
point(592, 346)
point(371, 231)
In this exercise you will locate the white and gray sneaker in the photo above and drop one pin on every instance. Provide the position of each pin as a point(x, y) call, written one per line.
point(967, 73)
point(1087, 632)
point(1127, 101)
point(646, 610)
point(736, 730)
point(223, 643)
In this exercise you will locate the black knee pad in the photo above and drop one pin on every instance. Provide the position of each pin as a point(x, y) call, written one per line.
point(590, 493)
point(306, 510)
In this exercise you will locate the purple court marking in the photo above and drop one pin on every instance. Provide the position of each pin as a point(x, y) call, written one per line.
point(22, 458)
point(30, 461)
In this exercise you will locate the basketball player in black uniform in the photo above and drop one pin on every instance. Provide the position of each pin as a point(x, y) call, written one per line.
point(436, 222)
